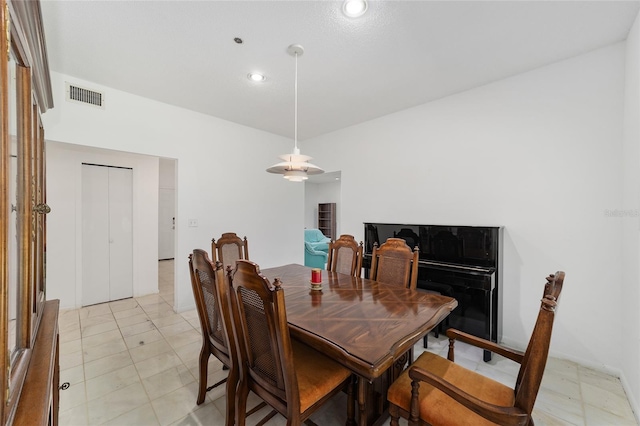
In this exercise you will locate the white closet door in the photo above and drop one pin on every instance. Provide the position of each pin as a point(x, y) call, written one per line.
point(121, 233)
point(95, 235)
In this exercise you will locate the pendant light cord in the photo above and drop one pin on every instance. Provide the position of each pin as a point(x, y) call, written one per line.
point(295, 117)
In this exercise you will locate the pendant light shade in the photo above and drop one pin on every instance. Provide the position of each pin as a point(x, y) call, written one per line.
point(295, 167)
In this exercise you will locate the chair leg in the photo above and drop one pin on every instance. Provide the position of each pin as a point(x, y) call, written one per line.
point(204, 366)
point(394, 414)
point(232, 383)
point(242, 392)
point(351, 401)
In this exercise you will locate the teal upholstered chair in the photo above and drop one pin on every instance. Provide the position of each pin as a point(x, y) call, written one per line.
point(314, 258)
point(317, 240)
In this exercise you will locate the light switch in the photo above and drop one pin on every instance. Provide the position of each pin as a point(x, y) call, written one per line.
point(193, 223)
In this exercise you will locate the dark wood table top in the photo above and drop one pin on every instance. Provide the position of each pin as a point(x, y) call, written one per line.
point(363, 324)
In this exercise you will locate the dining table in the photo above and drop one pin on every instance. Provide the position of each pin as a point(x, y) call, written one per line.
point(367, 326)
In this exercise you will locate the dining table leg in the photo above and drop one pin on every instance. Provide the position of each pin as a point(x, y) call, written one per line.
point(363, 391)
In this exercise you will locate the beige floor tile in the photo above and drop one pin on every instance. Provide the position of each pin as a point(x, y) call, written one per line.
point(128, 313)
point(542, 418)
point(123, 305)
point(177, 404)
point(143, 338)
point(190, 353)
point(169, 320)
point(601, 380)
point(107, 364)
point(73, 375)
point(133, 319)
point(602, 398)
point(141, 416)
point(132, 330)
point(560, 406)
point(99, 328)
point(562, 366)
point(101, 339)
point(70, 360)
point(149, 300)
point(148, 350)
point(562, 384)
point(68, 316)
point(73, 396)
point(157, 364)
point(207, 414)
point(167, 381)
point(94, 353)
point(70, 347)
point(96, 319)
point(116, 403)
point(68, 336)
point(76, 416)
point(175, 329)
point(70, 325)
point(94, 310)
point(110, 382)
point(191, 315)
point(598, 417)
point(185, 338)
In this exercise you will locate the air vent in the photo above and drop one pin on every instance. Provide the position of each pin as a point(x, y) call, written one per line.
point(84, 96)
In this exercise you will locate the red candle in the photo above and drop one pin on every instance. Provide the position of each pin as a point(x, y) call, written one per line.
point(316, 276)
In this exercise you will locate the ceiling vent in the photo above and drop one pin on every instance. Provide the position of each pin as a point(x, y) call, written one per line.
point(84, 96)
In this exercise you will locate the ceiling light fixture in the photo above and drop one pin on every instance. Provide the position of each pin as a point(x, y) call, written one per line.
point(295, 167)
point(254, 76)
point(354, 8)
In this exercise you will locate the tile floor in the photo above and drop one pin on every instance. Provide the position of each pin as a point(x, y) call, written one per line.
point(134, 362)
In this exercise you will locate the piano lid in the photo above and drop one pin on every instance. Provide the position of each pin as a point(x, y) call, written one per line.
point(460, 245)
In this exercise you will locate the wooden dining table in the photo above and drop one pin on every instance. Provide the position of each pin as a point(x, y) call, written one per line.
point(367, 326)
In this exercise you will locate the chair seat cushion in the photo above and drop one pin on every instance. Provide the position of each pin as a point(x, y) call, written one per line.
point(317, 374)
point(438, 408)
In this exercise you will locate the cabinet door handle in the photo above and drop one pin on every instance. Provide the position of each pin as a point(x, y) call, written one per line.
point(42, 209)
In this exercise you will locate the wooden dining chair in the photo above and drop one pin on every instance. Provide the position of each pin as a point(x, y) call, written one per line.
point(436, 391)
point(345, 256)
point(291, 377)
point(211, 293)
point(215, 338)
point(229, 248)
point(395, 263)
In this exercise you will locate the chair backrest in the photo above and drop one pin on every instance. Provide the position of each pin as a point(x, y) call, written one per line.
point(535, 357)
point(229, 248)
point(263, 335)
point(395, 263)
point(345, 256)
point(211, 303)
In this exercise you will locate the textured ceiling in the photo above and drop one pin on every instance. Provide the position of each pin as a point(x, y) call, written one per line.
point(398, 55)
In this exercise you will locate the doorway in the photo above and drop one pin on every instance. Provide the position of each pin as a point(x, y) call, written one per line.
point(166, 209)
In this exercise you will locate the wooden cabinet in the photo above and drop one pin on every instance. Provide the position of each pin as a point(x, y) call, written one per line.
point(28, 324)
point(327, 219)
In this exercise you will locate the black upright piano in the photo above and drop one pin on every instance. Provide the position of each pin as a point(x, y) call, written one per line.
point(459, 261)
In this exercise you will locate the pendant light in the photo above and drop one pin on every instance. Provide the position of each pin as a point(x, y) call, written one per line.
point(295, 167)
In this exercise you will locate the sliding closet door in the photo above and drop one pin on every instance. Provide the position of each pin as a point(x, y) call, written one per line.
point(120, 233)
point(95, 235)
point(107, 254)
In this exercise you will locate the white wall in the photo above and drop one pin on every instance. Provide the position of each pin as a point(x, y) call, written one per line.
point(221, 177)
point(630, 326)
point(540, 154)
point(64, 223)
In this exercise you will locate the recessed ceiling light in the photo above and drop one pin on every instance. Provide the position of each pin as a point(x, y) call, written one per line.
point(253, 76)
point(354, 8)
